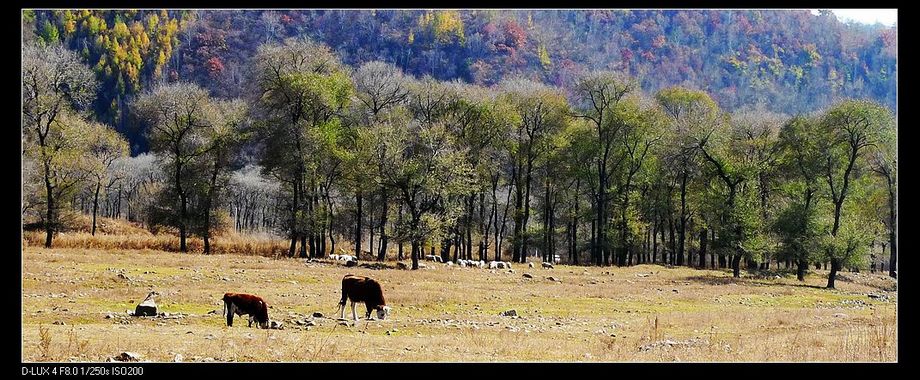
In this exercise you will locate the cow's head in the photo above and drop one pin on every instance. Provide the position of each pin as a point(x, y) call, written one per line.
point(261, 315)
point(383, 312)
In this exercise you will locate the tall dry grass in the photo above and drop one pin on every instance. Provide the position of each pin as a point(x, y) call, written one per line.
point(125, 235)
point(230, 244)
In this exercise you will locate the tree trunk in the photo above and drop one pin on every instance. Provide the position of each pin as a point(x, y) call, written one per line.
point(303, 245)
point(802, 268)
point(682, 232)
point(95, 207)
point(293, 246)
point(446, 245)
point(517, 218)
point(469, 228)
point(384, 239)
point(736, 265)
point(704, 234)
point(673, 254)
point(654, 241)
point(892, 229)
point(575, 228)
point(415, 251)
point(49, 199)
point(594, 251)
point(483, 226)
point(835, 266)
point(183, 217)
point(360, 215)
point(527, 180)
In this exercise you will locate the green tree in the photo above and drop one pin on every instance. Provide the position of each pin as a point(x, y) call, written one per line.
point(850, 129)
point(598, 94)
point(543, 111)
point(54, 83)
point(301, 87)
point(884, 161)
point(178, 116)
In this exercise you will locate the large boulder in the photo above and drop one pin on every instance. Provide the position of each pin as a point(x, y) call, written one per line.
point(148, 308)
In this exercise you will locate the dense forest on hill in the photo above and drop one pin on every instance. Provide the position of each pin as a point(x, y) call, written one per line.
point(789, 61)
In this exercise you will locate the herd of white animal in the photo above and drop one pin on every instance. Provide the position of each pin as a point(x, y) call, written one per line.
point(461, 262)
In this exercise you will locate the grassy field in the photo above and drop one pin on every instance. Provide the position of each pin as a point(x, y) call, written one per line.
point(75, 303)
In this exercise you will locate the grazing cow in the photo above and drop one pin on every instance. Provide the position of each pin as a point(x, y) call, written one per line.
point(334, 257)
point(434, 258)
point(363, 289)
point(481, 264)
point(547, 265)
point(240, 304)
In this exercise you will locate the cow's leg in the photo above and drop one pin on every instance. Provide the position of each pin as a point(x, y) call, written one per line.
point(250, 320)
point(342, 309)
point(230, 311)
point(342, 303)
point(354, 314)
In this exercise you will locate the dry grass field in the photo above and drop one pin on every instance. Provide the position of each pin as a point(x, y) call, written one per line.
point(75, 302)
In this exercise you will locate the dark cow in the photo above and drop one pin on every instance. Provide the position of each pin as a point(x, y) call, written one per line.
point(240, 304)
point(363, 289)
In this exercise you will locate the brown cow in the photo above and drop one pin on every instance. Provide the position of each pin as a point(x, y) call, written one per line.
point(363, 289)
point(240, 304)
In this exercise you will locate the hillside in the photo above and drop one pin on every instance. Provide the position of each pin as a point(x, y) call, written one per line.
point(791, 61)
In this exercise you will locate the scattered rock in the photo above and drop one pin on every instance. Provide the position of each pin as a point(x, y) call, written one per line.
point(61, 323)
point(343, 323)
point(124, 277)
point(668, 343)
point(402, 265)
point(675, 291)
point(553, 279)
point(310, 323)
point(318, 315)
point(109, 316)
point(178, 358)
point(509, 313)
point(128, 357)
point(276, 325)
point(642, 275)
point(840, 315)
point(210, 337)
point(530, 265)
point(528, 275)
